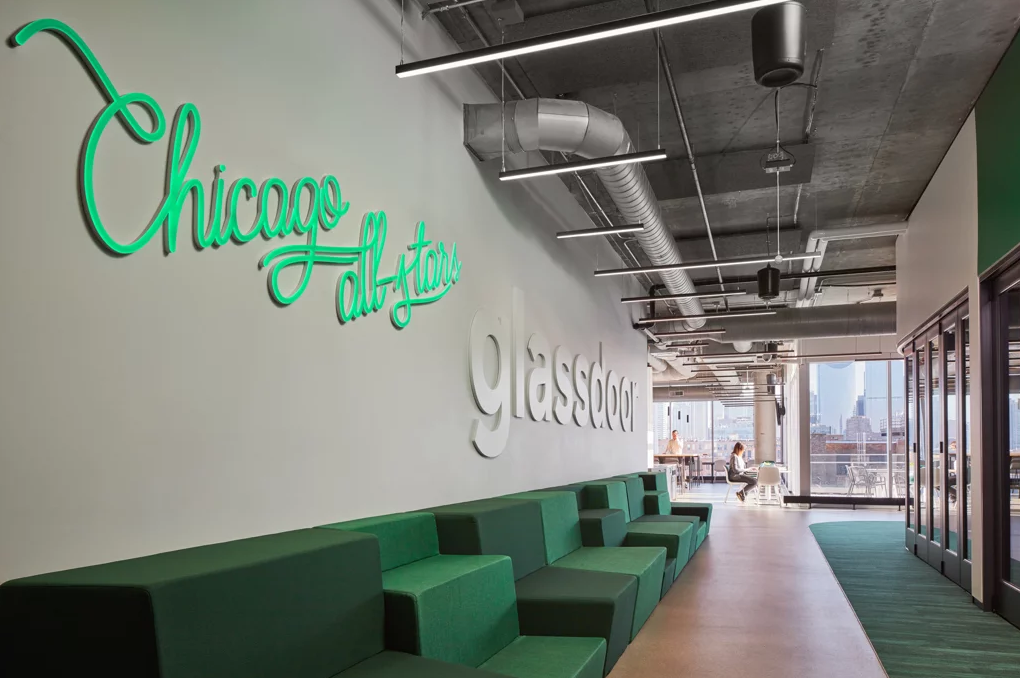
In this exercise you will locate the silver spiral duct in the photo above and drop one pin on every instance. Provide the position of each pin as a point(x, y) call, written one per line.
point(577, 128)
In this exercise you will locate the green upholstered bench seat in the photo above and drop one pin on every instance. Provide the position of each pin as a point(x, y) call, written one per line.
point(494, 527)
point(302, 604)
point(567, 602)
point(647, 564)
point(602, 527)
point(401, 665)
point(459, 609)
point(676, 537)
point(668, 577)
point(693, 521)
point(702, 533)
point(548, 657)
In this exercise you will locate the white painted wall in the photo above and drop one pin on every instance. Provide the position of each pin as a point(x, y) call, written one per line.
point(154, 402)
point(936, 259)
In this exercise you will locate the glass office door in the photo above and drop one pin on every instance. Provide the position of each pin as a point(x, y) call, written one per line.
point(951, 466)
point(1005, 450)
point(910, 424)
point(936, 457)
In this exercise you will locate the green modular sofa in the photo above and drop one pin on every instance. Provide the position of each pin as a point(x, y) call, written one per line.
point(649, 516)
point(516, 526)
point(463, 608)
point(303, 604)
point(524, 586)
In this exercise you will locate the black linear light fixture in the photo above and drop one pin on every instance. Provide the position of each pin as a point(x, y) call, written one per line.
point(579, 165)
point(577, 36)
point(747, 261)
point(612, 230)
point(668, 297)
point(707, 316)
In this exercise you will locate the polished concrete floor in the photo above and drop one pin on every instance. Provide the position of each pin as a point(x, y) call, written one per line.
point(758, 599)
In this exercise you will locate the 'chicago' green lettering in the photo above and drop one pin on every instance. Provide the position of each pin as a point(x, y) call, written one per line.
point(305, 208)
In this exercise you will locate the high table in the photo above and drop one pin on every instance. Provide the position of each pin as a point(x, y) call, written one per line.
point(678, 459)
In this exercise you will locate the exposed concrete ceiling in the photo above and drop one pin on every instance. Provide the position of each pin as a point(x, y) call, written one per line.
point(897, 80)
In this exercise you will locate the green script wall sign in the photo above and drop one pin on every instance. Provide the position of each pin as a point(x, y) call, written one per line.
point(306, 208)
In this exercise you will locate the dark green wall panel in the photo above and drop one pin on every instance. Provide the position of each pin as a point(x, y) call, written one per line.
point(998, 147)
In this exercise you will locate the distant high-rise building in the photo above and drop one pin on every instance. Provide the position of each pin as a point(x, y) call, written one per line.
point(876, 390)
point(859, 411)
point(837, 394)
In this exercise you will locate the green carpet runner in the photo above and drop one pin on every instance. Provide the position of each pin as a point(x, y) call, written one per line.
point(920, 623)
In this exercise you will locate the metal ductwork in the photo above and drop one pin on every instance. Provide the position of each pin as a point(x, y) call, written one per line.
point(818, 322)
point(583, 130)
point(818, 241)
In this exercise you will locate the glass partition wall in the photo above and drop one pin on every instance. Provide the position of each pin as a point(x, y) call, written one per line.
point(936, 382)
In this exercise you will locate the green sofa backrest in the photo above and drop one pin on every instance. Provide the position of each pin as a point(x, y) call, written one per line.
point(403, 537)
point(635, 496)
point(561, 526)
point(494, 527)
point(577, 489)
point(603, 494)
point(303, 604)
point(655, 482)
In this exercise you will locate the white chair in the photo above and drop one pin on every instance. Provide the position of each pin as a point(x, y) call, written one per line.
point(729, 483)
point(769, 477)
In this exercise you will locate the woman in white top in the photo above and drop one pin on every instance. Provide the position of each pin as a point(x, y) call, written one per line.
point(675, 445)
point(737, 471)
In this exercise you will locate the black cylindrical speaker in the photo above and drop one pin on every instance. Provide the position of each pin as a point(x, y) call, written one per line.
point(777, 44)
point(768, 283)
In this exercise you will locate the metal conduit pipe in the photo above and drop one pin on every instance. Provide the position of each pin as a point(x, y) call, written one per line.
point(819, 322)
point(577, 128)
point(818, 241)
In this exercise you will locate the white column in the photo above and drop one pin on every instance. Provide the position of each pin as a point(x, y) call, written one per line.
point(764, 422)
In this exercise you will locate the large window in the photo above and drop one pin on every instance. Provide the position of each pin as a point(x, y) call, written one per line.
point(708, 429)
point(858, 428)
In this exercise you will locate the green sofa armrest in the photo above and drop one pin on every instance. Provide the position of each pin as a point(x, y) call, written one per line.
point(689, 508)
point(603, 527)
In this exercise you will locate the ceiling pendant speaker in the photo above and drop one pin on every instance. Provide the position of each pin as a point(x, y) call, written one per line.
point(768, 283)
point(777, 44)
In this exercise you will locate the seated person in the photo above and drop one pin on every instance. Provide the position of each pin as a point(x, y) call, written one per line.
point(738, 471)
point(675, 445)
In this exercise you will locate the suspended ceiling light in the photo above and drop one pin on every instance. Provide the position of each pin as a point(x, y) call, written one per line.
point(707, 316)
point(667, 297)
point(846, 356)
point(695, 334)
point(702, 264)
point(588, 232)
point(578, 165)
point(577, 36)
